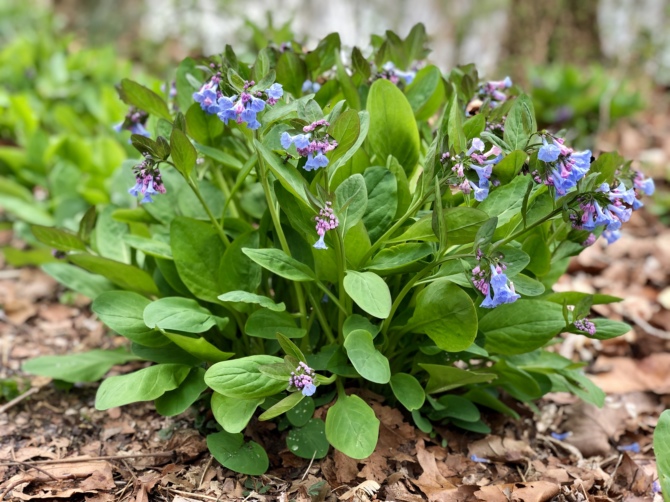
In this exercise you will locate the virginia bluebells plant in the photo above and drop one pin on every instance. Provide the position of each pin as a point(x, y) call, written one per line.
point(302, 379)
point(479, 162)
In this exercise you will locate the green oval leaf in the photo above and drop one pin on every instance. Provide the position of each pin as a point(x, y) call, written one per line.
point(521, 326)
point(447, 315)
point(84, 367)
point(352, 427)
point(179, 314)
point(308, 441)
point(393, 129)
point(177, 401)
point(278, 262)
point(370, 292)
point(241, 378)
point(368, 361)
point(233, 414)
point(123, 312)
point(142, 385)
point(233, 453)
point(408, 391)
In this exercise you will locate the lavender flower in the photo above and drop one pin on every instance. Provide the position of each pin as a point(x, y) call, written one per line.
point(148, 181)
point(586, 326)
point(208, 95)
point(134, 122)
point(314, 149)
point(274, 93)
point(326, 220)
point(494, 286)
point(302, 379)
point(565, 167)
point(245, 108)
point(390, 72)
point(309, 87)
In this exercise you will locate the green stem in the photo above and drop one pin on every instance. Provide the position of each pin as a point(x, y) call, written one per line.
point(409, 285)
point(242, 175)
point(519, 233)
point(385, 236)
point(223, 185)
point(215, 222)
point(331, 295)
point(316, 305)
point(262, 174)
point(341, 264)
point(340, 387)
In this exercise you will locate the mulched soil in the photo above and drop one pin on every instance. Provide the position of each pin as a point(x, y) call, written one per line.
point(54, 445)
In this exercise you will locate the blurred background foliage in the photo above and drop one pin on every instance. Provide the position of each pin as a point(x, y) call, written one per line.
point(590, 67)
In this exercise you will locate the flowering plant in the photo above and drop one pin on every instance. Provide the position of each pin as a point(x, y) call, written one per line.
point(399, 229)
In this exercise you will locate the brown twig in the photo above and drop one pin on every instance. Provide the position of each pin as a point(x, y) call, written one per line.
point(308, 467)
point(5, 462)
point(18, 399)
point(37, 469)
point(179, 492)
point(204, 472)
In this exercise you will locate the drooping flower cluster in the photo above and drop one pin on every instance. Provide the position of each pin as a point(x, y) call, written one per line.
point(492, 282)
point(479, 162)
point(393, 74)
point(564, 166)
point(493, 91)
point(326, 220)
point(302, 379)
point(209, 94)
point(242, 108)
point(611, 207)
point(309, 87)
point(148, 181)
point(134, 122)
point(314, 148)
point(586, 326)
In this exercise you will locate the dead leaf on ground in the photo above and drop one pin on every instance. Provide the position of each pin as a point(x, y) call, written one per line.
point(537, 491)
point(501, 449)
point(71, 478)
point(431, 482)
point(621, 375)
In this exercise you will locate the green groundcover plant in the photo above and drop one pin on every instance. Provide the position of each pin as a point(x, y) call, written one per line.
point(306, 227)
point(58, 153)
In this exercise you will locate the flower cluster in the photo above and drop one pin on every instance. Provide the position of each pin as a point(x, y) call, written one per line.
point(209, 94)
point(314, 148)
point(607, 208)
point(493, 284)
point(479, 162)
point(134, 122)
point(493, 91)
point(393, 74)
point(564, 166)
point(586, 326)
point(325, 220)
point(309, 87)
point(242, 109)
point(302, 379)
point(148, 181)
